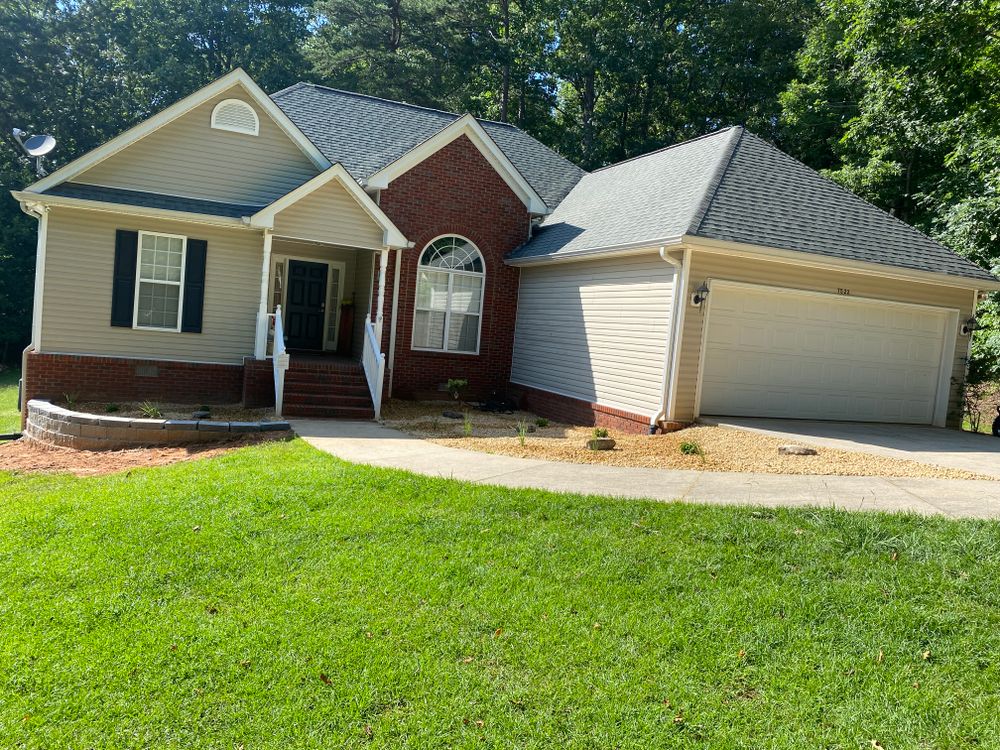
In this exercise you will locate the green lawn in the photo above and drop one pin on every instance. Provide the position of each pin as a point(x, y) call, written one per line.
point(10, 417)
point(279, 598)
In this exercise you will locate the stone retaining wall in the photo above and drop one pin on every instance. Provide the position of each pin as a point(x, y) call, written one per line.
point(54, 425)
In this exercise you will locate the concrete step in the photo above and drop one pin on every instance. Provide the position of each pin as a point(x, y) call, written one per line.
point(294, 398)
point(328, 412)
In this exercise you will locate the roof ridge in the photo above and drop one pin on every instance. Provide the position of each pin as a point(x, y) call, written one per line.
point(712, 187)
point(285, 90)
point(665, 148)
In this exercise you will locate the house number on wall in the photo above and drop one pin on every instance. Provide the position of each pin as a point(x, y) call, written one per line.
point(843, 291)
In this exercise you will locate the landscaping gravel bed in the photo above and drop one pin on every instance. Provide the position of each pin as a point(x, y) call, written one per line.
point(722, 449)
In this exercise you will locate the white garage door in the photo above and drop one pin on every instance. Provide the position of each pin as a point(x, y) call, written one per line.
point(802, 355)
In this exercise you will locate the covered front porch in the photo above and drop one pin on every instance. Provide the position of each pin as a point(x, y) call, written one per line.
point(322, 296)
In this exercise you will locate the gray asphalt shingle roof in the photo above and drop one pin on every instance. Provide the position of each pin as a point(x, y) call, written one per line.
point(365, 134)
point(733, 186)
point(151, 200)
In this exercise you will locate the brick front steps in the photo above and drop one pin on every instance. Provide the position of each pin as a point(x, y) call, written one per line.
point(333, 389)
point(54, 425)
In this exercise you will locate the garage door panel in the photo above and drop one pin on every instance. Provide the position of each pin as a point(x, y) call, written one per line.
point(841, 358)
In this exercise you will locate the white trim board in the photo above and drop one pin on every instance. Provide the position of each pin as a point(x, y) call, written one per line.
point(468, 126)
point(950, 314)
point(238, 77)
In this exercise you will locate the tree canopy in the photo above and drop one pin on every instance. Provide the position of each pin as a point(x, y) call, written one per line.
point(892, 98)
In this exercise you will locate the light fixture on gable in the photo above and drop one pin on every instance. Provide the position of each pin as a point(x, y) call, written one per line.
point(236, 116)
point(35, 147)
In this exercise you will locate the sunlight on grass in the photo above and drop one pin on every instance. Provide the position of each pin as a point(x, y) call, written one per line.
point(277, 597)
point(10, 418)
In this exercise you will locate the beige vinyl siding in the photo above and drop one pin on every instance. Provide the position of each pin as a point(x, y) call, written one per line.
point(706, 266)
point(329, 214)
point(596, 330)
point(79, 270)
point(364, 289)
point(188, 157)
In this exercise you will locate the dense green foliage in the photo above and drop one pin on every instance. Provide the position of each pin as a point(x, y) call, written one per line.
point(895, 98)
point(277, 598)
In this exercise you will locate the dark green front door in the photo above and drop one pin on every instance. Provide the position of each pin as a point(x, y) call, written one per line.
point(305, 305)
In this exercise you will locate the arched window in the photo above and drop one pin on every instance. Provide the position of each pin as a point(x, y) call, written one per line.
point(450, 280)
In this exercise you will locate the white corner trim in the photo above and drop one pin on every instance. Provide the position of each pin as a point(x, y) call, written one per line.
point(468, 126)
point(238, 77)
point(391, 236)
point(812, 260)
point(36, 309)
point(44, 199)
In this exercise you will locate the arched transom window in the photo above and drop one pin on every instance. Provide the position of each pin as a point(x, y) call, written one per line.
point(449, 306)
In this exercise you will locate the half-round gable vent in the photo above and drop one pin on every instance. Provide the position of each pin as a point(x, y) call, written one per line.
point(235, 115)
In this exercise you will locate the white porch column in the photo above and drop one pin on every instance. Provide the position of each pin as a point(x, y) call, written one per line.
point(383, 265)
point(260, 342)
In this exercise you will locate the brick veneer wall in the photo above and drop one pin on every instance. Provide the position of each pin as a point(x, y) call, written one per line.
point(577, 411)
point(455, 191)
point(86, 377)
point(258, 383)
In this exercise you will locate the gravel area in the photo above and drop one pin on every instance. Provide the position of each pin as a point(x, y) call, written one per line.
point(27, 456)
point(723, 449)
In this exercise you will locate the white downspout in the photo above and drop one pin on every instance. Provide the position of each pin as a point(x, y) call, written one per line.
point(672, 360)
point(392, 323)
point(41, 213)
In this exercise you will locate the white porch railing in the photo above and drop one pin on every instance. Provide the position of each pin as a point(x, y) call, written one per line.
point(281, 360)
point(373, 360)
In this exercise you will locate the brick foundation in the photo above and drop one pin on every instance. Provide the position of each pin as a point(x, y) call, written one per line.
point(258, 383)
point(52, 376)
point(577, 411)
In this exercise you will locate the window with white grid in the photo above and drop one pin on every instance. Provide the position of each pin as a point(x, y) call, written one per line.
point(450, 282)
point(159, 281)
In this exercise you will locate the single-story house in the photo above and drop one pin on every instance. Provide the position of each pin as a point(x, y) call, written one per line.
point(397, 247)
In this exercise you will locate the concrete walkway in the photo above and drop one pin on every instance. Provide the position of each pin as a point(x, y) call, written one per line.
point(371, 443)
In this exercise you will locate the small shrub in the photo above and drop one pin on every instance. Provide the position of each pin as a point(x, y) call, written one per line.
point(690, 448)
point(600, 432)
point(70, 399)
point(541, 422)
point(150, 410)
point(522, 432)
point(110, 408)
point(467, 425)
point(456, 386)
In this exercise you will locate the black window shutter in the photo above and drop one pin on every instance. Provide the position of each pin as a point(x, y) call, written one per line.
point(123, 288)
point(194, 286)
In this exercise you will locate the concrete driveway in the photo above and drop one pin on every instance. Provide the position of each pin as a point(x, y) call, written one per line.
point(928, 445)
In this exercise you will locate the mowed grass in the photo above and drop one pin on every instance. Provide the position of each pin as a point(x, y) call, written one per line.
point(10, 417)
point(277, 598)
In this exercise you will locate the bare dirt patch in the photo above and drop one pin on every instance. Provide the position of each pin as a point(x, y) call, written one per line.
point(723, 449)
point(28, 456)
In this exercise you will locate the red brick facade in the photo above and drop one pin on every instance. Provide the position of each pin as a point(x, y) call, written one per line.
point(85, 377)
point(455, 191)
point(577, 411)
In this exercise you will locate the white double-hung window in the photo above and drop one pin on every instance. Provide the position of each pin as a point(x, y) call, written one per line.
point(448, 310)
point(159, 280)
